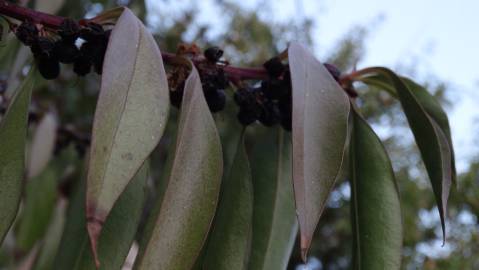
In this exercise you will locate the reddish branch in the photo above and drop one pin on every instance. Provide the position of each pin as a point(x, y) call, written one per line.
point(52, 21)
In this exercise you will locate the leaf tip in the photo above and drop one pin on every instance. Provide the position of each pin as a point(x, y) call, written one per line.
point(305, 244)
point(94, 227)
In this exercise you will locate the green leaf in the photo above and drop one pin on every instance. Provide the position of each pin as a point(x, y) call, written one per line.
point(320, 137)
point(274, 219)
point(430, 127)
point(190, 199)
point(13, 133)
point(375, 206)
point(38, 207)
point(119, 229)
point(229, 243)
point(130, 117)
point(52, 238)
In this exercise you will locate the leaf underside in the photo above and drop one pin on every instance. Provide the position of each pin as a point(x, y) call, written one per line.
point(320, 135)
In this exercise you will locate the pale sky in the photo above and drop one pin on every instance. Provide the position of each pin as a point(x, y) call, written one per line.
point(439, 38)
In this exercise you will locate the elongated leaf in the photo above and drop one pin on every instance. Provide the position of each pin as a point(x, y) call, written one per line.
point(118, 232)
point(189, 202)
point(430, 127)
point(38, 207)
point(274, 222)
point(320, 135)
point(13, 132)
point(375, 207)
point(130, 117)
point(52, 238)
point(43, 144)
point(228, 245)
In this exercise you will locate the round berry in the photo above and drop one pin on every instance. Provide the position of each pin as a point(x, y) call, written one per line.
point(27, 33)
point(82, 66)
point(216, 100)
point(246, 117)
point(270, 114)
point(213, 54)
point(274, 67)
point(69, 30)
point(49, 68)
point(66, 52)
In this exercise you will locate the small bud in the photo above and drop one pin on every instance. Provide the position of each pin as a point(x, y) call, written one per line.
point(213, 54)
point(274, 67)
point(82, 66)
point(27, 33)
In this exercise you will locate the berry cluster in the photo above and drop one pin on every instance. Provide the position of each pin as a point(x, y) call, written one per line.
point(214, 82)
point(50, 51)
point(270, 103)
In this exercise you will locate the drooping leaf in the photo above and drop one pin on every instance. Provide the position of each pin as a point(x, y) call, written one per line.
point(320, 135)
point(190, 199)
point(43, 144)
point(38, 207)
point(431, 131)
point(274, 220)
point(130, 117)
point(118, 231)
point(52, 238)
point(229, 242)
point(13, 132)
point(375, 206)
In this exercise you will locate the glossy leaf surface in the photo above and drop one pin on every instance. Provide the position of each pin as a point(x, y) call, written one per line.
point(13, 133)
point(274, 222)
point(375, 206)
point(320, 135)
point(191, 195)
point(130, 117)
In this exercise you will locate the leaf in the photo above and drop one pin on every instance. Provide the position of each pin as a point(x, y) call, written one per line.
point(375, 206)
point(38, 207)
point(52, 239)
point(130, 117)
point(320, 135)
point(43, 144)
point(13, 132)
point(274, 222)
point(229, 243)
point(190, 199)
point(118, 232)
point(431, 130)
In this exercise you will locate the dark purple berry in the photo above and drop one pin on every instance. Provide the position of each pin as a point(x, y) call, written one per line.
point(213, 54)
point(27, 33)
point(69, 30)
point(246, 117)
point(49, 68)
point(333, 70)
point(270, 114)
point(66, 52)
point(43, 47)
point(216, 100)
point(274, 67)
point(82, 66)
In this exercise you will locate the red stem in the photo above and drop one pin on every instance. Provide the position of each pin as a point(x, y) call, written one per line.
point(52, 21)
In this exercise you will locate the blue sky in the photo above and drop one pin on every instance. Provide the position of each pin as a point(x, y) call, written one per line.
point(439, 38)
